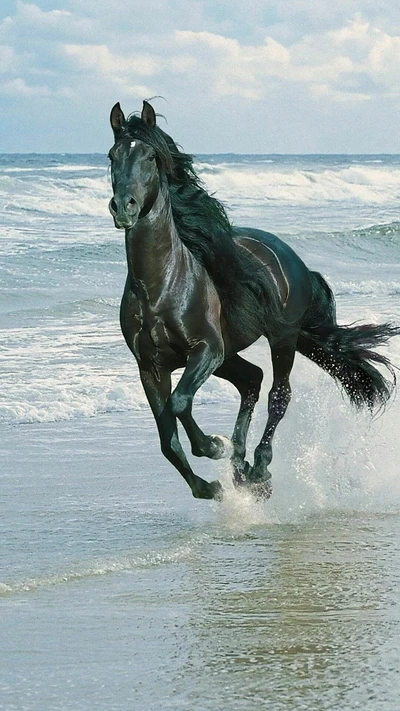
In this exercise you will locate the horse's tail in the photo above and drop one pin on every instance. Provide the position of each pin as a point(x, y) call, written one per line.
point(347, 352)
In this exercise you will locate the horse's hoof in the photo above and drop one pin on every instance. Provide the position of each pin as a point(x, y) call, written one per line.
point(262, 489)
point(220, 447)
point(209, 490)
point(241, 473)
point(217, 490)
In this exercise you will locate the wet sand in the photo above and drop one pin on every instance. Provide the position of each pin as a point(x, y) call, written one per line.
point(119, 591)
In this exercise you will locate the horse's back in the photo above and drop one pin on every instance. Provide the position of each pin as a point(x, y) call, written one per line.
point(290, 261)
point(287, 270)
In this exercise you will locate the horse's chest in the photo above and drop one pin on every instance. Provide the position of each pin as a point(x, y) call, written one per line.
point(155, 347)
point(149, 337)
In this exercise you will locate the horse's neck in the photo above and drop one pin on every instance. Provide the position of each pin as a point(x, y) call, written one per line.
point(154, 249)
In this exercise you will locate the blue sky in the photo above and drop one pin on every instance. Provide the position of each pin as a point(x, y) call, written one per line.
point(261, 76)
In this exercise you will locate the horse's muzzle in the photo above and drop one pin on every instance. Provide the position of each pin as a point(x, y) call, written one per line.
point(125, 212)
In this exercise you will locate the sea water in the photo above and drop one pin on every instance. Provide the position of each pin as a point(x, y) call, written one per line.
point(117, 589)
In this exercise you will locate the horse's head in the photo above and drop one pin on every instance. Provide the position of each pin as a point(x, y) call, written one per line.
point(134, 171)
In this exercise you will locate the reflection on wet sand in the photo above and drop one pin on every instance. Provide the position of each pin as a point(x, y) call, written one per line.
point(299, 616)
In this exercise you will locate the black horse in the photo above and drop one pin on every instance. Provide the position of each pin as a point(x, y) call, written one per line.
point(199, 291)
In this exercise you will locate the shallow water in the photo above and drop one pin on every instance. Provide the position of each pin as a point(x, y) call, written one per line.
point(123, 592)
point(117, 589)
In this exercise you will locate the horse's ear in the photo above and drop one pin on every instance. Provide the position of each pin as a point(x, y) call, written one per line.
point(117, 119)
point(148, 114)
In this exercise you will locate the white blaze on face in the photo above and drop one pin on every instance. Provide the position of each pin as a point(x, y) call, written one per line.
point(133, 144)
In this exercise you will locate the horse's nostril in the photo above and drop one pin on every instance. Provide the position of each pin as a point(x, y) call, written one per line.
point(113, 205)
point(132, 201)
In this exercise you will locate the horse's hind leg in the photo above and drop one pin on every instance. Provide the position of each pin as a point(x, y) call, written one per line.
point(282, 354)
point(247, 378)
point(158, 390)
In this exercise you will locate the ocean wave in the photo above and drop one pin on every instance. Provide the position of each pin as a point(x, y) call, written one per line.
point(367, 287)
point(100, 567)
point(371, 184)
point(385, 231)
point(35, 404)
point(85, 189)
point(378, 240)
point(95, 250)
point(69, 379)
point(61, 401)
point(58, 196)
point(61, 168)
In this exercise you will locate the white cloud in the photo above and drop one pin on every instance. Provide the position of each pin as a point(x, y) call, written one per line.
point(19, 87)
point(287, 61)
point(7, 59)
point(335, 65)
point(384, 63)
point(233, 68)
point(100, 60)
point(351, 62)
point(34, 24)
point(356, 33)
point(326, 91)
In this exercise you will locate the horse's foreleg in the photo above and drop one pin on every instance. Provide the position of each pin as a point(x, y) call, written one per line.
point(204, 358)
point(158, 391)
point(282, 354)
point(247, 378)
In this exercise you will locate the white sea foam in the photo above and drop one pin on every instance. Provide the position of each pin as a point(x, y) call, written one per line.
point(326, 458)
point(79, 368)
point(368, 287)
point(78, 392)
point(354, 184)
point(61, 168)
point(58, 190)
point(73, 196)
point(99, 567)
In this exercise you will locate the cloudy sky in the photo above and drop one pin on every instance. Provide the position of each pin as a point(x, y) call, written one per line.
point(257, 76)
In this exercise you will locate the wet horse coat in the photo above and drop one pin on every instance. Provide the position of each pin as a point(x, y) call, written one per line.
point(198, 291)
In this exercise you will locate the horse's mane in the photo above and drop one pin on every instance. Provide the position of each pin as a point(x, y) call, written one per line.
point(204, 227)
point(198, 216)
